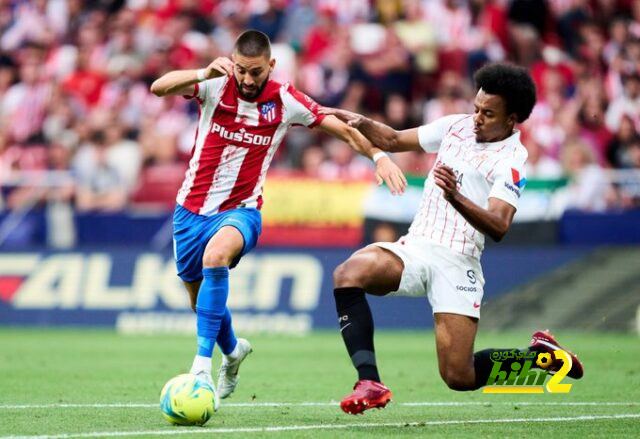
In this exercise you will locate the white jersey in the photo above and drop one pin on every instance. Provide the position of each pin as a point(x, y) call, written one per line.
point(483, 170)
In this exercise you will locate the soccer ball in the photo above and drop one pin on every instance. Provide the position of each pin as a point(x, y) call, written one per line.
point(188, 400)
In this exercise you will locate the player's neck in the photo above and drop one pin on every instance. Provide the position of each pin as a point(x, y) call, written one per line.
point(504, 137)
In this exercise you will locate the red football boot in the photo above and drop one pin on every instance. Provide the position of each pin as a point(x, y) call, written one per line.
point(366, 395)
point(544, 340)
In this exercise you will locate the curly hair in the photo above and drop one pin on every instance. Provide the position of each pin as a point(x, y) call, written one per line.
point(253, 43)
point(512, 83)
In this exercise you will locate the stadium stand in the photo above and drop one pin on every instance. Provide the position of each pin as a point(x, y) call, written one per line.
point(74, 73)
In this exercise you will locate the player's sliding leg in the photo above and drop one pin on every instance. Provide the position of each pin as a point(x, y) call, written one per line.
point(541, 342)
point(455, 335)
point(544, 341)
point(461, 369)
point(483, 364)
point(377, 271)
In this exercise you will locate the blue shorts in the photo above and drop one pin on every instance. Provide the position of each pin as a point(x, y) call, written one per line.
point(191, 233)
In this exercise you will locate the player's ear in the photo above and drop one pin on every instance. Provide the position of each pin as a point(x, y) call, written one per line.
point(272, 64)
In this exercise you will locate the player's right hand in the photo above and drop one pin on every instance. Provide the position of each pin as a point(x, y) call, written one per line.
point(352, 119)
point(219, 67)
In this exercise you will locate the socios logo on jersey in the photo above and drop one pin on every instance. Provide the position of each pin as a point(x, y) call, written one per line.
point(268, 111)
point(517, 179)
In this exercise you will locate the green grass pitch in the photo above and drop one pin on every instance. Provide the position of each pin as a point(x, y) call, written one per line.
point(73, 383)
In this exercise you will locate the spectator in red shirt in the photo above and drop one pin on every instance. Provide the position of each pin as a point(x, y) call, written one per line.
point(85, 83)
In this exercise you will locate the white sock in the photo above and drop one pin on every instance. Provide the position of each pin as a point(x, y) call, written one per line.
point(234, 353)
point(201, 364)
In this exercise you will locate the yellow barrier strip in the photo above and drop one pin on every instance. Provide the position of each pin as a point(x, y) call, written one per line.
point(510, 389)
point(308, 202)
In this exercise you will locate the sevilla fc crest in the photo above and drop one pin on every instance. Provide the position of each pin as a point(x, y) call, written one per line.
point(268, 111)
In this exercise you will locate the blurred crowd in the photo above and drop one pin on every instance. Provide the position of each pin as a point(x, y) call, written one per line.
point(75, 76)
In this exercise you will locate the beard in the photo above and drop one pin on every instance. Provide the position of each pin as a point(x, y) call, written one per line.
point(254, 92)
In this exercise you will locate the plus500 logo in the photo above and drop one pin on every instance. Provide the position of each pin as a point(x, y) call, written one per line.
point(241, 136)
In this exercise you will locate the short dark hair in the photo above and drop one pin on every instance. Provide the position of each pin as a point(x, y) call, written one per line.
point(252, 43)
point(511, 83)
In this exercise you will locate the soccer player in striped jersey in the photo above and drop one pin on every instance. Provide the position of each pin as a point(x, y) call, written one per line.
point(472, 191)
point(243, 119)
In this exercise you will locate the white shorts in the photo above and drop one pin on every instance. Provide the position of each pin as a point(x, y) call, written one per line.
point(452, 282)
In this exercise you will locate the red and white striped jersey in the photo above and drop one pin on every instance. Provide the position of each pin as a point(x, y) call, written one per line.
point(483, 170)
point(236, 140)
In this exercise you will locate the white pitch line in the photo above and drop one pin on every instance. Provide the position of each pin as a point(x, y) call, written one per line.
point(118, 405)
point(209, 431)
point(538, 403)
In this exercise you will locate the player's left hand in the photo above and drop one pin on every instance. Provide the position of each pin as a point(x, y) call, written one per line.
point(354, 120)
point(390, 173)
point(446, 180)
point(219, 67)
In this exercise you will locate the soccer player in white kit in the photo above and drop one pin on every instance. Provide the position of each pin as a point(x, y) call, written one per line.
point(472, 191)
point(243, 118)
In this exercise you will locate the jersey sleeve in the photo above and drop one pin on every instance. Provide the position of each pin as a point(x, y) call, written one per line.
point(209, 90)
point(509, 181)
point(300, 109)
point(430, 135)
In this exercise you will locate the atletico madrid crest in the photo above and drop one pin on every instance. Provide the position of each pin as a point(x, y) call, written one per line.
point(268, 111)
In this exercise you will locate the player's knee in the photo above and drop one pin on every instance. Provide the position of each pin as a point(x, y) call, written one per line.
point(341, 275)
point(215, 258)
point(458, 379)
point(350, 273)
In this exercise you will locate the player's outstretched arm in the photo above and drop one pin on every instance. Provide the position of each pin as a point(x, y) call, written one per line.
point(378, 133)
point(386, 171)
point(180, 82)
point(494, 221)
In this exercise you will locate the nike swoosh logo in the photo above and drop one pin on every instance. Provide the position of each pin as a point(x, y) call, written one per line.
point(476, 305)
point(549, 345)
point(342, 329)
point(222, 104)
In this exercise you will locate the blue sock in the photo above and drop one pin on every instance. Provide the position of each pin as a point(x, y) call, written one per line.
point(226, 338)
point(210, 307)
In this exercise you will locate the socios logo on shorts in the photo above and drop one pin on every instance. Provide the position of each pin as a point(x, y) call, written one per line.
point(521, 379)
